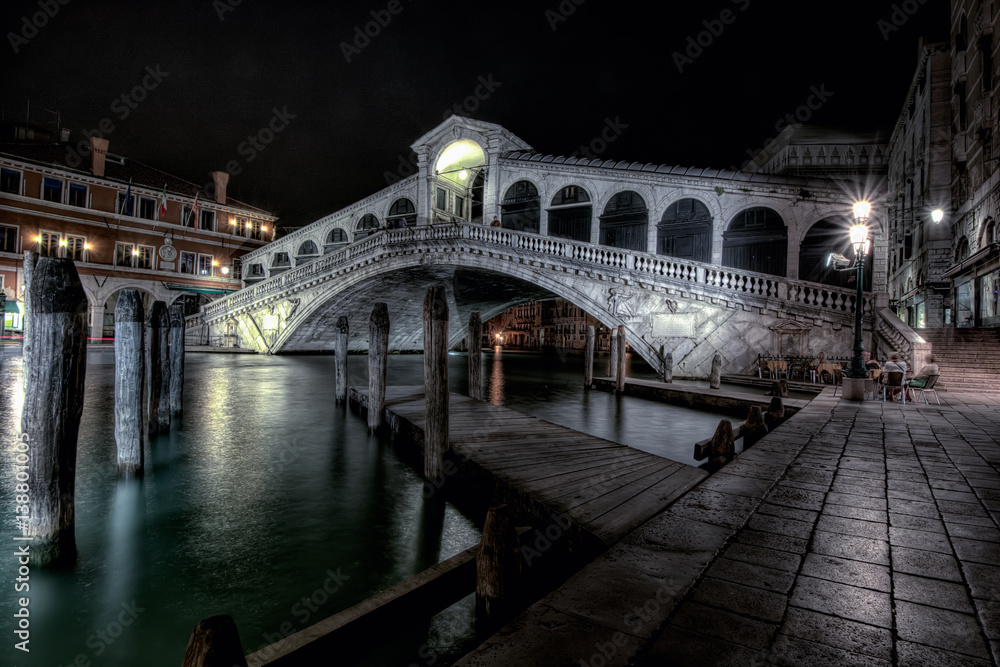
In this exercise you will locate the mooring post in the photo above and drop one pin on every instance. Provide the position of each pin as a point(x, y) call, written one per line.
point(588, 359)
point(475, 346)
point(215, 642)
point(668, 367)
point(498, 567)
point(54, 402)
point(723, 442)
point(340, 358)
point(613, 349)
point(715, 379)
point(620, 370)
point(177, 342)
point(30, 260)
point(157, 370)
point(130, 381)
point(754, 428)
point(378, 358)
point(435, 383)
point(775, 413)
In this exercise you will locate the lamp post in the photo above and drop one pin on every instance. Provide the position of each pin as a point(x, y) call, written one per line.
point(861, 243)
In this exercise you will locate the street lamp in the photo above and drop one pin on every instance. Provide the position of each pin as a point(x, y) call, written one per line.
point(861, 243)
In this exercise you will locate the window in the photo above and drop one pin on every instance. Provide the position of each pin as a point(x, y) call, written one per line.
point(907, 246)
point(143, 255)
point(255, 230)
point(442, 199)
point(75, 248)
point(78, 195)
point(52, 189)
point(236, 270)
point(125, 207)
point(207, 221)
point(48, 244)
point(206, 265)
point(123, 254)
point(10, 181)
point(256, 271)
point(337, 235)
point(147, 208)
point(133, 256)
point(187, 264)
point(187, 216)
point(8, 239)
point(459, 206)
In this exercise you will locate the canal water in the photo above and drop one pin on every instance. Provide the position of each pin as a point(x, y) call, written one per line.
point(273, 505)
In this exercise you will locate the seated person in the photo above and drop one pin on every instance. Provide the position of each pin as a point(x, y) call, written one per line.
point(920, 379)
point(815, 363)
point(870, 362)
point(894, 365)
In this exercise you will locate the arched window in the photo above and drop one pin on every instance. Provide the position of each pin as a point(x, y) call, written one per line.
point(685, 231)
point(402, 213)
point(756, 240)
point(307, 252)
point(367, 226)
point(520, 209)
point(825, 237)
point(962, 250)
point(336, 236)
point(625, 221)
point(571, 214)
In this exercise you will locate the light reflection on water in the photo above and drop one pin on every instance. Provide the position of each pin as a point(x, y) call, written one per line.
point(266, 491)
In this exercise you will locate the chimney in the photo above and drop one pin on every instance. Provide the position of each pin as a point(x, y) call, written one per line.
point(221, 179)
point(98, 151)
point(64, 135)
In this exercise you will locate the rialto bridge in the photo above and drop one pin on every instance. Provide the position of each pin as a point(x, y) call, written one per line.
point(692, 261)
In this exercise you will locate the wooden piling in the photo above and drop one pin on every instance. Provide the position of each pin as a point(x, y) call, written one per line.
point(588, 359)
point(775, 413)
point(157, 370)
point(754, 428)
point(54, 401)
point(340, 358)
point(498, 567)
point(475, 347)
point(668, 367)
point(723, 443)
point(30, 260)
point(715, 379)
point(613, 349)
point(177, 342)
point(378, 359)
point(620, 370)
point(215, 642)
point(435, 383)
point(130, 381)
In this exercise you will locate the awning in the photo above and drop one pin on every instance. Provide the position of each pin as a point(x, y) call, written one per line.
point(12, 308)
point(975, 260)
point(194, 289)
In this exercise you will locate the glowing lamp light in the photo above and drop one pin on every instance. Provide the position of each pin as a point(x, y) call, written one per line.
point(859, 235)
point(464, 174)
point(88, 246)
point(38, 239)
point(232, 221)
point(135, 252)
point(937, 215)
point(215, 262)
point(862, 210)
point(63, 243)
point(225, 270)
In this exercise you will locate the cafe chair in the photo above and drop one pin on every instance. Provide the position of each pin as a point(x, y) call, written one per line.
point(931, 381)
point(894, 380)
point(838, 380)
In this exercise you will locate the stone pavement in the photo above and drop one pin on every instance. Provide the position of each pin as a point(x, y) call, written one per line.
point(854, 534)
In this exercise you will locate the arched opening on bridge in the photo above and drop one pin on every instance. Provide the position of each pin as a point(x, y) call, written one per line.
point(685, 231)
point(253, 273)
point(458, 193)
point(825, 237)
point(521, 208)
point(336, 238)
point(306, 253)
point(571, 214)
point(756, 240)
point(280, 263)
point(402, 213)
point(367, 225)
point(625, 222)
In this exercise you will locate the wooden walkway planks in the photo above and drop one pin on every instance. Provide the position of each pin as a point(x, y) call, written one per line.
point(601, 486)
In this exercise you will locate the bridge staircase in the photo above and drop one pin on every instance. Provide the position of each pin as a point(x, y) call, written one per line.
point(969, 359)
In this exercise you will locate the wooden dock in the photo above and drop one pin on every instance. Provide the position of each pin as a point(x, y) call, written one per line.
point(602, 487)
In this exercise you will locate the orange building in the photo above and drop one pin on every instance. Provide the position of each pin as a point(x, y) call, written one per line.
point(126, 225)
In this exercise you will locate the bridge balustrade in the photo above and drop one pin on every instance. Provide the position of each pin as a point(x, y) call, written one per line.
point(801, 293)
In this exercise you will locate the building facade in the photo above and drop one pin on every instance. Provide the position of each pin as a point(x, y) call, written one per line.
point(125, 224)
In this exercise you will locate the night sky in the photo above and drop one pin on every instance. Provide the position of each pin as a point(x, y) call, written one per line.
point(694, 85)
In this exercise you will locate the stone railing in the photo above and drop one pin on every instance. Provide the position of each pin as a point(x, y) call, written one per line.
point(897, 336)
point(639, 266)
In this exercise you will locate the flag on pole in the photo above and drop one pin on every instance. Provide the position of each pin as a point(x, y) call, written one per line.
point(194, 211)
point(127, 207)
point(163, 202)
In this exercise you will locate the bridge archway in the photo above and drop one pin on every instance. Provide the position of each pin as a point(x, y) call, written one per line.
point(402, 213)
point(625, 221)
point(520, 209)
point(756, 240)
point(459, 182)
point(571, 214)
point(685, 231)
point(367, 225)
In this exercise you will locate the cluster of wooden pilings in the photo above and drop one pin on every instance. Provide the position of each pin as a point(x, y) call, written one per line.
point(721, 447)
point(149, 359)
